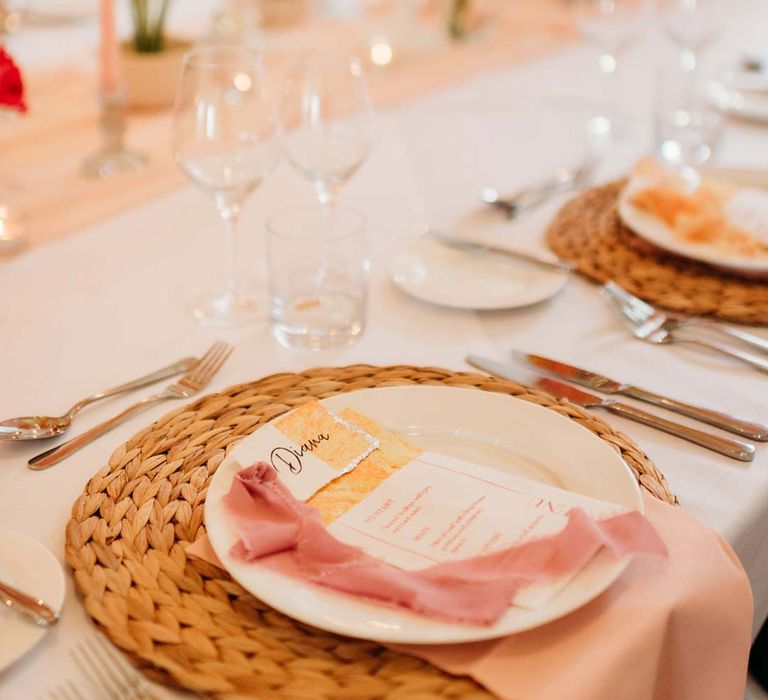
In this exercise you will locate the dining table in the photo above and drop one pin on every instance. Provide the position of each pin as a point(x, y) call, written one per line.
point(103, 302)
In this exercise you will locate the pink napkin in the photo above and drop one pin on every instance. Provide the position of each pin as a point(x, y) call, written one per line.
point(674, 629)
point(668, 629)
point(281, 532)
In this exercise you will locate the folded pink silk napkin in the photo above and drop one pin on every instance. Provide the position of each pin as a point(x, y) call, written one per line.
point(279, 531)
point(668, 629)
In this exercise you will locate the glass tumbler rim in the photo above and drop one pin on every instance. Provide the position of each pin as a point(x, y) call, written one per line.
point(279, 221)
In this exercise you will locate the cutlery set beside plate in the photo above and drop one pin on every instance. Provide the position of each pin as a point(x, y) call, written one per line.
point(735, 449)
point(196, 375)
point(31, 580)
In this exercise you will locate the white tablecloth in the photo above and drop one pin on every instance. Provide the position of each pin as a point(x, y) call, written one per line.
point(106, 305)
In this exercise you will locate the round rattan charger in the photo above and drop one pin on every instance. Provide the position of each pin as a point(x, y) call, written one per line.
point(187, 623)
point(588, 232)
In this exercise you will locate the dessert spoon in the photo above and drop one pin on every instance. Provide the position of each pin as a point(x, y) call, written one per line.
point(38, 427)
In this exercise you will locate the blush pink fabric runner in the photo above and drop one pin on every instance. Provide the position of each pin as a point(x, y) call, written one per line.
point(284, 533)
point(668, 629)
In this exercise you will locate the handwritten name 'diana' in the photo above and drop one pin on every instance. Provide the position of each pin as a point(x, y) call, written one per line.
point(291, 458)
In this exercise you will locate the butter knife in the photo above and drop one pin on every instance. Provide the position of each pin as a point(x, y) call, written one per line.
point(742, 451)
point(37, 610)
point(486, 248)
point(598, 382)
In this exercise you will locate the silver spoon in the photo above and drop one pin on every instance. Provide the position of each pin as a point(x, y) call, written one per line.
point(37, 427)
point(37, 610)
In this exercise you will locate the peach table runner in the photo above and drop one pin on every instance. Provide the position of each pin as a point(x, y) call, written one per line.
point(668, 629)
point(43, 151)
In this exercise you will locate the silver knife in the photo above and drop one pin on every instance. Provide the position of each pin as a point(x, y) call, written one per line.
point(37, 610)
point(486, 248)
point(598, 382)
point(742, 451)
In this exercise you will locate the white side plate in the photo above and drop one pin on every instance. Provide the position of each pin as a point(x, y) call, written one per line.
point(30, 567)
point(438, 274)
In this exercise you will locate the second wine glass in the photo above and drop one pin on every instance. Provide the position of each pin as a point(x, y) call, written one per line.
point(611, 26)
point(225, 140)
point(327, 117)
point(692, 24)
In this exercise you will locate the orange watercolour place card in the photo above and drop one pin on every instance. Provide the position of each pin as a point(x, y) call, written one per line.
point(308, 448)
point(337, 497)
point(437, 509)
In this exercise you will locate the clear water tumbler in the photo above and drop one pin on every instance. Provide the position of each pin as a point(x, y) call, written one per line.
point(317, 259)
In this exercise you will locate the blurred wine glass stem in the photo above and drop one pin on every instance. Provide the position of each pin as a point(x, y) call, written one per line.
point(688, 59)
point(607, 64)
point(327, 193)
point(689, 64)
point(603, 124)
point(229, 210)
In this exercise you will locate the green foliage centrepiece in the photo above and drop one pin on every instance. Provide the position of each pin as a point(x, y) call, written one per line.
point(149, 22)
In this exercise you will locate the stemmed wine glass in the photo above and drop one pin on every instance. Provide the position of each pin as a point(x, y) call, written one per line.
point(327, 118)
point(691, 24)
point(225, 139)
point(687, 124)
point(611, 26)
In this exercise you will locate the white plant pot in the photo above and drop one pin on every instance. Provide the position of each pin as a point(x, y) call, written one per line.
point(151, 78)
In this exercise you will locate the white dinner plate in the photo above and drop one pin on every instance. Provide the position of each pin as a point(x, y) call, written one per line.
point(657, 232)
point(433, 272)
point(30, 567)
point(487, 428)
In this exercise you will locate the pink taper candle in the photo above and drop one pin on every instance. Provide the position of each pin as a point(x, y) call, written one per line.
point(109, 53)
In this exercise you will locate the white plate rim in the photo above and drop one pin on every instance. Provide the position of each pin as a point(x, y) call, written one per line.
point(657, 232)
point(271, 586)
point(422, 292)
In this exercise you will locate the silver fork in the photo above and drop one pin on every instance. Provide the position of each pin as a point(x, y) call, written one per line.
point(672, 321)
point(192, 382)
point(649, 324)
point(563, 180)
point(108, 676)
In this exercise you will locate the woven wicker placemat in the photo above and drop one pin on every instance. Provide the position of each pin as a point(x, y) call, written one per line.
point(588, 232)
point(185, 622)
